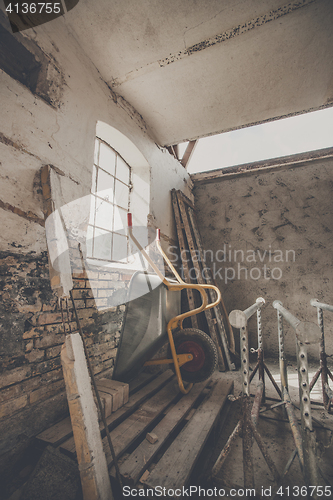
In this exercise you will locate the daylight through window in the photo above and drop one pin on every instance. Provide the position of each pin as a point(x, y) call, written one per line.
point(110, 194)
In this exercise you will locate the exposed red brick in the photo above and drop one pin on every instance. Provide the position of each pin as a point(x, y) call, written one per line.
point(32, 333)
point(79, 283)
point(15, 375)
point(35, 355)
point(52, 352)
point(46, 391)
point(49, 340)
point(13, 405)
point(49, 318)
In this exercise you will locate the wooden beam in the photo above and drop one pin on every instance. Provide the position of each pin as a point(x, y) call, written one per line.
point(188, 153)
point(83, 412)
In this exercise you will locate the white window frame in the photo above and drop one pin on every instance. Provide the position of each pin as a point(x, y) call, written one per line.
point(100, 198)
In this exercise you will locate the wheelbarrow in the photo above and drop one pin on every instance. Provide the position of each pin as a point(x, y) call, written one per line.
point(154, 318)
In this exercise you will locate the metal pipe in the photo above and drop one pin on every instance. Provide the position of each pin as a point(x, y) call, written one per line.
point(292, 320)
point(252, 309)
point(264, 450)
point(294, 426)
point(238, 318)
point(257, 403)
point(321, 305)
point(247, 444)
point(306, 332)
point(244, 349)
point(261, 363)
point(226, 450)
point(323, 370)
point(303, 380)
point(282, 359)
point(259, 328)
point(329, 392)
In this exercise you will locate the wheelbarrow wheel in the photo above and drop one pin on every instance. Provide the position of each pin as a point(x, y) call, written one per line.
point(201, 346)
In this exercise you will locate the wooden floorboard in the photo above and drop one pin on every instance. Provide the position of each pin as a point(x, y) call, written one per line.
point(57, 434)
point(136, 464)
point(68, 447)
point(141, 380)
point(124, 435)
point(175, 467)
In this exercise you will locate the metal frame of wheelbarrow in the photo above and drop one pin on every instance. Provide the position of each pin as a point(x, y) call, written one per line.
point(177, 359)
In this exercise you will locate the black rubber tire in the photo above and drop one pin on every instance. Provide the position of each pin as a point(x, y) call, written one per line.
point(201, 345)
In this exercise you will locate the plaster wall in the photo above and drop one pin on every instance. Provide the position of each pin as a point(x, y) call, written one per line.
point(280, 218)
point(34, 132)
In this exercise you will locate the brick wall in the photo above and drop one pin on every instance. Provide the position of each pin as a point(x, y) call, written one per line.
point(32, 391)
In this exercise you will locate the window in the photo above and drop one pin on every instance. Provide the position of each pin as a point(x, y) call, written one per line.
point(110, 196)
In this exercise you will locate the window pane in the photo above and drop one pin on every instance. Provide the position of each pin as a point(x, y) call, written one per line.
point(121, 194)
point(105, 185)
point(119, 247)
point(89, 241)
point(102, 244)
point(120, 219)
point(92, 209)
point(122, 171)
point(103, 214)
point(107, 158)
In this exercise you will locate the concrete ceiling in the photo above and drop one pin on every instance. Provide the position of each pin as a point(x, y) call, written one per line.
point(193, 68)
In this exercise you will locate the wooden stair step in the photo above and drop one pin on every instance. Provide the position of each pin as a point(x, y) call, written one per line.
point(57, 434)
point(68, 446)
point(137, 423)
point(62, 431)
point(141, 380)
point(174, 469)
point(136, 464)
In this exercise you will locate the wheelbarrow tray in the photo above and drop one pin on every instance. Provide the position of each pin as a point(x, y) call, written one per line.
point(149, 308)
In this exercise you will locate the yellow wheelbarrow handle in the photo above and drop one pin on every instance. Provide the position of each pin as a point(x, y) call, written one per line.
point(177, 321)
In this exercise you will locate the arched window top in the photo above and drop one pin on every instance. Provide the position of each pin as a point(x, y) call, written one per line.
point(122, 144)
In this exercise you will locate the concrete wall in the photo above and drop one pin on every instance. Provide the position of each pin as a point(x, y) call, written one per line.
point(56, 125)
point(279, 222)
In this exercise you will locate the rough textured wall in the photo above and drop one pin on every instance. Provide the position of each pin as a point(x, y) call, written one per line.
point(271, 235)
point(56, 127)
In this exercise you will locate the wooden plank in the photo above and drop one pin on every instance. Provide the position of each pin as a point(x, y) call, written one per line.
point(141, 380)
point(137, 423)
point(57, 434)
point(106, 400)
point(174, 468)
point(194, 255)
point(68, 447)
point(115, 395)
point(115, 385)
point(136, 464)
point(91, 459)
point(181, 241)
point(185, 198)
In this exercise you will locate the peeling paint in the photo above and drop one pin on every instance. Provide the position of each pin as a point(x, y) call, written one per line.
point(273, 15)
